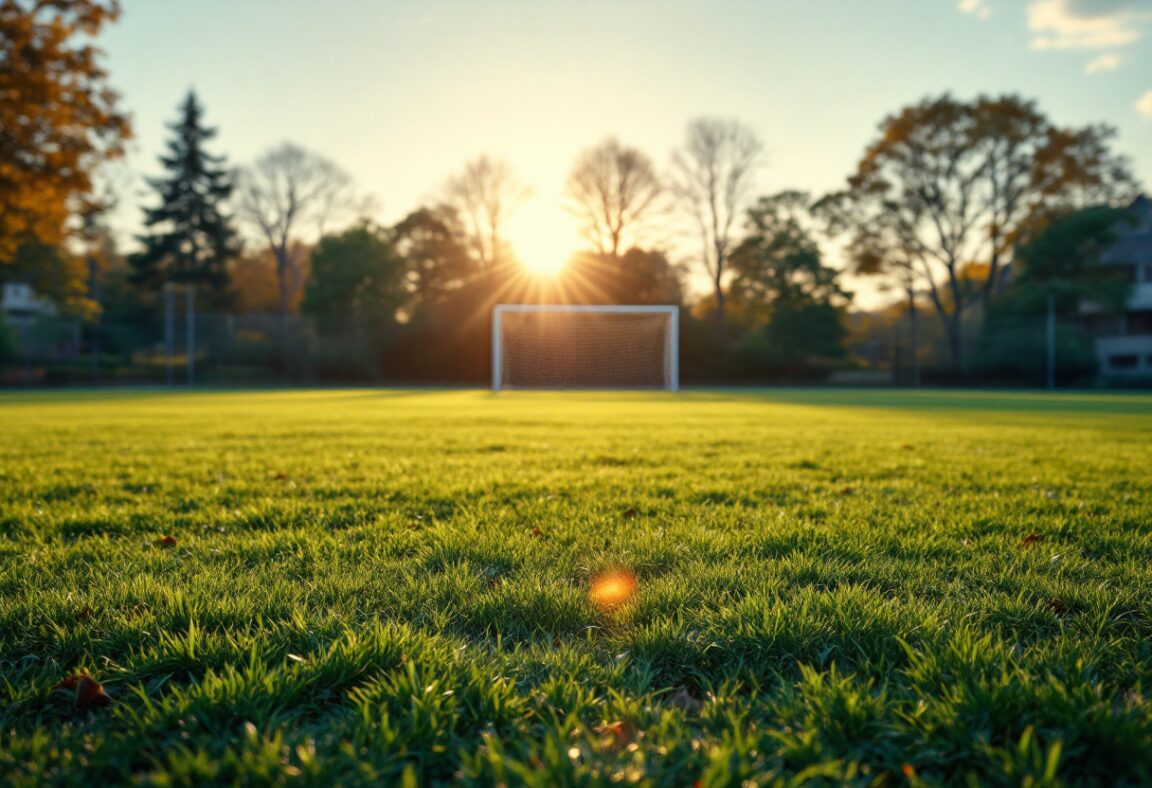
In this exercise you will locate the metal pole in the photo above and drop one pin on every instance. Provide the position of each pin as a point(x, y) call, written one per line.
point(190, 339)
point(1051, 340)
point(674, 340)
point(169, 333)
point(914, 338)
point(496, 369)
point(94, 291)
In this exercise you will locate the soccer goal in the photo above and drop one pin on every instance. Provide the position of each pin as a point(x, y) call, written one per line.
point(550, 346)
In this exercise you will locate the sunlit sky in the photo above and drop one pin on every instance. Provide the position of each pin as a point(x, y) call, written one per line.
point(401, 93)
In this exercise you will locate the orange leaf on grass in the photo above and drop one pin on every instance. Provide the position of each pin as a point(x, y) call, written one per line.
point(89, 692)
point(1030, 540)
point(167, 541)
point(621, 732)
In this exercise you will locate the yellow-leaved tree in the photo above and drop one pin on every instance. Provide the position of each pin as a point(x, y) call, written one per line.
point(58, 117)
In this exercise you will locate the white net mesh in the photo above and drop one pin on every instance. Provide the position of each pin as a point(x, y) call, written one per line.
point(556, 349)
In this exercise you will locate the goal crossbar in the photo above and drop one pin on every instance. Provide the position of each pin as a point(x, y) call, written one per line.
point(671, 341)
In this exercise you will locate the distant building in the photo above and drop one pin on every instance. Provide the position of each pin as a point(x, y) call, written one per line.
point(1124, 341)
point(21, 307)
point(39, 328)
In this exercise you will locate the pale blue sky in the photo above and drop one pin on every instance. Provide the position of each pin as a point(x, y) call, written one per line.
point(401, 93)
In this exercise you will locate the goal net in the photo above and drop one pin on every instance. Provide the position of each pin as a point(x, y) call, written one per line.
point(592, 347)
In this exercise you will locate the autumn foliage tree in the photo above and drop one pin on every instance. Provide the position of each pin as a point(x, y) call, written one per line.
point(59, 119)
point(941, 196)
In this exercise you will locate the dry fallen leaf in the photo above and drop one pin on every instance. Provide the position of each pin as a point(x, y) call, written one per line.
point(621, 732)
point(629, 513)
point(89, 692)
point(1030, 540)
point(167, 541)
point(536, 532)
point(86, 613)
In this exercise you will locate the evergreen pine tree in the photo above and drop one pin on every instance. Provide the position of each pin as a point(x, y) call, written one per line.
point(190, 240)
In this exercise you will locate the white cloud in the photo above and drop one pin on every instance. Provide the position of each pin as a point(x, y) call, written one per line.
point(977, 8)
point(1087, 24)
point(1144, 105)
point(1109, 61)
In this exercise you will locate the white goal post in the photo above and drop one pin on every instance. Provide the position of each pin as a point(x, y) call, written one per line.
point(565, 346)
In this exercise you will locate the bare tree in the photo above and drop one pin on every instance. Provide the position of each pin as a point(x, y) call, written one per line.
point(712, 178)
point(611, 190)
point(480, 199)
point(287, 188)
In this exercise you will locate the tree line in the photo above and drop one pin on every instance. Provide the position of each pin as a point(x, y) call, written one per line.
point(946, 206)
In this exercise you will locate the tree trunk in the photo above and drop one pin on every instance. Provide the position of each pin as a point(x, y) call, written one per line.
point(282, 281)
point(955, 342)
point(913, 337)
point(721, 322)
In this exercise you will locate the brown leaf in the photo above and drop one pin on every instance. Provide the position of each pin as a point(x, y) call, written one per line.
point(86, 613)
point(89, 692)
point(629, 513)
point(1030, 540)
point(909, 771)
point(167, 541)
point(536, 532)
point(621, 732)
point(907, 447)
point(279, 476)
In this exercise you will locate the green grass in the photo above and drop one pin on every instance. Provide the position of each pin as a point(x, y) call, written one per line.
point(377, 585)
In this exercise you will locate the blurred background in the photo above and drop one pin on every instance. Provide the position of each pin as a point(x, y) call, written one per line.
point(919, 192)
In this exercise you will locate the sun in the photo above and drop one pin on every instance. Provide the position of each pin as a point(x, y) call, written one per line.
point(543, 238)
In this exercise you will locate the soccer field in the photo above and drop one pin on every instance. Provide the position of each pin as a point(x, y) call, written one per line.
point(349, 586)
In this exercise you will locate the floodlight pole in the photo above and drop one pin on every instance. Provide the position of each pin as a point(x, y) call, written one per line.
point(1051, 340)
point(190, 340)
point(169, 332)
point(94, 292)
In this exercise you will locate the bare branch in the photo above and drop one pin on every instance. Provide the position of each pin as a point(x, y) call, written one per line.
point(482, 198)
point(612, 190)
point(712, 179)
